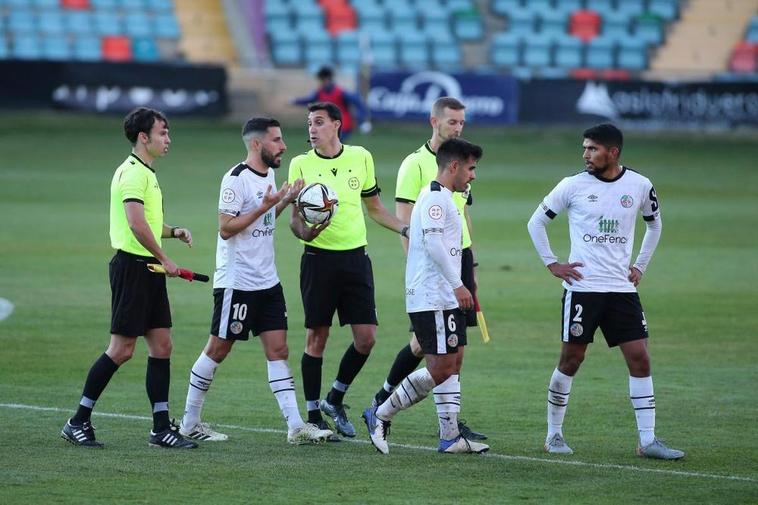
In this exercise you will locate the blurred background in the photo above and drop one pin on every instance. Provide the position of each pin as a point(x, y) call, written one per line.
point(646, 63)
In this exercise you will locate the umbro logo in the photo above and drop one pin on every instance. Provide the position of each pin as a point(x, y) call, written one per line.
point(592, 198)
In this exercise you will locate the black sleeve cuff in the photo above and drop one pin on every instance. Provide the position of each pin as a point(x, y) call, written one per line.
point(648, 218)
point(549, 213)
point(404, 200)
point(370, 192)
point(134, 200)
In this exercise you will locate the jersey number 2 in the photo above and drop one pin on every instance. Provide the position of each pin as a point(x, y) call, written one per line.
point(578, 317)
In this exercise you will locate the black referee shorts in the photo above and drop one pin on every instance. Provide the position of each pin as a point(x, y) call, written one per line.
point(341, 281)
point(139, 301)
point(467, 276)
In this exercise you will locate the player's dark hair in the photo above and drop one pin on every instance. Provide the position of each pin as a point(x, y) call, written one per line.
point(325, 73)
point(141, 120)
point(446, 102)
point(259, 125)
point(606, 135)
point(457, 149)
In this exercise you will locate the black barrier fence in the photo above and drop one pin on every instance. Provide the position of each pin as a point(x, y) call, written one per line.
point(640, 103)
point(113, 87)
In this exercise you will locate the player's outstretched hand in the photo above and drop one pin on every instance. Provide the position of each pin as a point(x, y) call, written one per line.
point(184, 235)
point(635, 276)
point(270, 199)
point(465, 300)
point(293, 191)
point(566, 271)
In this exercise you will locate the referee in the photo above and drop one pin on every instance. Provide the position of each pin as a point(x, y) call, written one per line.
point(139, 301)
point(335, 270)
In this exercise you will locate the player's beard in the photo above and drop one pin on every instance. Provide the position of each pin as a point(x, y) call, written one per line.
point(269, 159)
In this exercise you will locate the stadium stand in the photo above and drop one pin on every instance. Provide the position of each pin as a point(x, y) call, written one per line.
point(89, 30)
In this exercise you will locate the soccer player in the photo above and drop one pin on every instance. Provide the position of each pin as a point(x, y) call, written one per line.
point(435, 296)
point(247, 293)
point(335, 270)
point(329, 91)
point(416, 172)
point(139, 300)
point(600, 280)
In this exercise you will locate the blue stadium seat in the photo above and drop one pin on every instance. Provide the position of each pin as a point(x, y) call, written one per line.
point(348, 50)
point(372, 19)
point(79, 22)
point(665, 9)
point(51, 23)
point(569, 6)
point(468, 27)
point(568, 52)
point(399, 6)
point(26, 47)
point(384, 56)
point(46, 4)
point(600, 53)
point(538, 51)
point(414, 56)
point(87, 48)
point(145, 49)
point(133, 5)
point(631, 8)
point(109, 5)
point(432, 20)
point(404, 21)
point(4, 52)
point(138, 24)
point(632, 54)
point(162, 5)
point(285, 47)
point(275, 9)
point(278, 24)
point(166, 26)
point(24, 4)
point(522, 22)
point(599, 6)
point(107, 23)
point(460, 6)
point(616, 21)
point(506, 7)
point(56, 48)
point(649, 30)
point(554, 22)
point(446, 55)
point(505, 50)
point(440, 36)
point(22, 22)
point(752, 34)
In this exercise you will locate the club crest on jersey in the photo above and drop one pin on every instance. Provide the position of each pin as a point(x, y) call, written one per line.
point(435, 212)
point(236, 327)
point(353, 183)
point(627, 201)
point(452, 340)
point(228, 196)
point(576, 329)
point(267, 219)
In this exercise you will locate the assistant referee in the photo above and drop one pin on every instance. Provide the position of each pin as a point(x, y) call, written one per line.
point(139, 301)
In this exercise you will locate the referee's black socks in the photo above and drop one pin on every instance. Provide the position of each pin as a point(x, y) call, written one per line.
point(157, 380)
point(351, 364)
point(97, 379)
point(405, 363)
point(311, 370)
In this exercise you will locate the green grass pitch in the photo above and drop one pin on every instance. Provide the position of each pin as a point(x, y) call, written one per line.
point(699, 295)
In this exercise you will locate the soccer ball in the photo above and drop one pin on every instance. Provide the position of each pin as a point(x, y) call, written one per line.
point(317, 203)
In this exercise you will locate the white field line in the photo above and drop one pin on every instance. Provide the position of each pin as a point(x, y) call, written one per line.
point(507, 457)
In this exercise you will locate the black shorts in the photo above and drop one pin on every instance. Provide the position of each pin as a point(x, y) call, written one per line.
point(341, 281)
point(139, 301)
point(619, 316)
point(439, 331)
point(236, 313)
point(467, 276)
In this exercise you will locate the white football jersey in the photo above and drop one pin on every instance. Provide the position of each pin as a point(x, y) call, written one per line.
point(602, 215)
point(433, 270)
point(246, 260)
